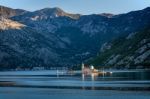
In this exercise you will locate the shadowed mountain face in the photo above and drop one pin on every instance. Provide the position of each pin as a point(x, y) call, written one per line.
point(25, 46)
point(53, 37)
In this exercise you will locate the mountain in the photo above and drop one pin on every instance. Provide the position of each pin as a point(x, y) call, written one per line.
point(52, 19)
point(22, 46)
point(47, 19)
point(53, 13)
point(53, 37)
point(128, 52)
point(94, 28)
point(9, 12)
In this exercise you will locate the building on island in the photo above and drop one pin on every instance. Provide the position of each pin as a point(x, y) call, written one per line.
point(88, 69)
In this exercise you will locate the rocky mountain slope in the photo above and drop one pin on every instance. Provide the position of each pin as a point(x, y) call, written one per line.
point(53, 37)
point(6, 24)
point(132, 51)
point(9, 12)
point(22, 46)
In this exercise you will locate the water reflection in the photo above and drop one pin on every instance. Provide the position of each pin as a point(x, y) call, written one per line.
point(83, 77)
point(93, 76)
point(52, 79)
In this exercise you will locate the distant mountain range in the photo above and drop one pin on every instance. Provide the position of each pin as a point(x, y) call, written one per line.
point(53, 37)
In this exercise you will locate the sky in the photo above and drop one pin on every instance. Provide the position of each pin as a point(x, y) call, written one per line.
point(80, 6)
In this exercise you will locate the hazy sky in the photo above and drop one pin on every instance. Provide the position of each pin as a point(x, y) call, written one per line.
point(80, 6)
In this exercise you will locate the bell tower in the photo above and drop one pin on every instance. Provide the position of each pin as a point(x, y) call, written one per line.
point(82, 66)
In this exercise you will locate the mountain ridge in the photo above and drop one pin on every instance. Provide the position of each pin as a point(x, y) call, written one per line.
point(7, 12)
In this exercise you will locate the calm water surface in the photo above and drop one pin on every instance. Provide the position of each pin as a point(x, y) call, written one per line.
point(56, 84)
